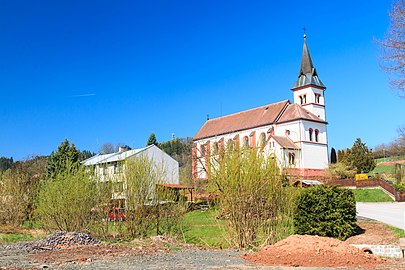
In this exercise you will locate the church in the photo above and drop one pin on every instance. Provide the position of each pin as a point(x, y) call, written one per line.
point(292, 132)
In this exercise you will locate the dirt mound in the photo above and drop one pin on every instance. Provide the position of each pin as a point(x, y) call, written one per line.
point(372, 233)
point(310, 251)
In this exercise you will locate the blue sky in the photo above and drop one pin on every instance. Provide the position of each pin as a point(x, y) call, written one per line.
point(115, 71)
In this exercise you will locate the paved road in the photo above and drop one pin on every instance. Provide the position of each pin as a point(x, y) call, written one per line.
point(389, 213)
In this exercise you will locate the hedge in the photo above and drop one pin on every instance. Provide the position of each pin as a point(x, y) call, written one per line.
point(326, 211)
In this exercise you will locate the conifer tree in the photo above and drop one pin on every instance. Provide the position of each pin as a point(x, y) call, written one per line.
point(360, 157)
point(152, 140)
point(333, 158)
point(65, 158)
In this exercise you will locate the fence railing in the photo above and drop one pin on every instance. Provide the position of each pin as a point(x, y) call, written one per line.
point(398, 195)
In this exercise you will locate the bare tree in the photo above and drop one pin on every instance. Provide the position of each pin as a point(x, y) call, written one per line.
point(107, 148)
point(393, 46)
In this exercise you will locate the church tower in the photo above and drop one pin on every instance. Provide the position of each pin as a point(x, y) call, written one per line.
point(308, 89)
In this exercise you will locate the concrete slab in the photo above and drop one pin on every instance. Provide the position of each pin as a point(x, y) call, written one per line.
point(388, 213)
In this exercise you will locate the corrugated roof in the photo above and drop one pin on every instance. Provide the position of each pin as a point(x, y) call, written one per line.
point(295, 112)
point(285, 142)
point(106, 158)
point(264, 115)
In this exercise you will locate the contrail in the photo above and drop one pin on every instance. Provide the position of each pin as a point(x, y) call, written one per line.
point(83, 95)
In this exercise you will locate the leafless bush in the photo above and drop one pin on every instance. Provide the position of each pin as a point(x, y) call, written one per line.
point(252, 196)
point(13, 198)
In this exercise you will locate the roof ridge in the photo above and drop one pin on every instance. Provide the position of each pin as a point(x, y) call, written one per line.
point(244, 111)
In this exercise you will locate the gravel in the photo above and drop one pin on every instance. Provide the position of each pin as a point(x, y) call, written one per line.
point(55, 241)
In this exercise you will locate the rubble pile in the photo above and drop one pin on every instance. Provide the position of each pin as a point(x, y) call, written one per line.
point(57, 241)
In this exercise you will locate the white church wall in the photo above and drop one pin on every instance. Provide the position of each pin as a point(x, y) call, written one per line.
point(321, 127)
point(314, 156)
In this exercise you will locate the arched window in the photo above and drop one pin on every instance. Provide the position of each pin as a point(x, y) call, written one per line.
point(316, 135)
point(291, 158)
point(230, 144)
point(311, 131)
point(216, 147)
point(317, 98)
point(246, 141)
point(262, 139)
point(287, 132)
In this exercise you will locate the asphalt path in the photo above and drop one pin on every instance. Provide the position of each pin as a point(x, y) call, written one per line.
point(388, 213)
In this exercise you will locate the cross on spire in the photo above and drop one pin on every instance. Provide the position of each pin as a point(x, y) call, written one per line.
point(305, 32)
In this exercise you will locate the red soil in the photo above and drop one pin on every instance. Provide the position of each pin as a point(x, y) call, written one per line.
point(314, 251)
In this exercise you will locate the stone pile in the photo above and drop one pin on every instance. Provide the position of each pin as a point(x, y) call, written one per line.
point(56, 241)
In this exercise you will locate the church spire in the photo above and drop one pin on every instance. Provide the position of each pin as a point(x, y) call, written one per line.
point(307, 75)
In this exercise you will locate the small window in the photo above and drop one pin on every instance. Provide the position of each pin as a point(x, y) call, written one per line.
point(262, 139)
point(287, 132)
point(216, 147)
point(118, 187)
point(311, 131)
point(316, 135)
point(246, 141)
point(118, 167)
point(291, 158)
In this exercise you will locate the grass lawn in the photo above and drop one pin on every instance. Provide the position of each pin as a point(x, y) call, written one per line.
point(201, 227)
point(9, 235)
point(389, 169)
point(398, 231)
point(371, 195)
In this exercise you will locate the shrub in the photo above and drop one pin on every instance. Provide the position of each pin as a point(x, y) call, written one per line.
point(251, 196)
point(149, 208)
point(340, 170)
point(13, 198)
point(326, 211)
point(68, 201)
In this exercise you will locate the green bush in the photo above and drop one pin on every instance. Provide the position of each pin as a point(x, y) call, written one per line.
point(68, 201)
point(326, 211)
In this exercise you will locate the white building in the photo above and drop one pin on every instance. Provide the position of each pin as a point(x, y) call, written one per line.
point(295, 133)
point(109, 167)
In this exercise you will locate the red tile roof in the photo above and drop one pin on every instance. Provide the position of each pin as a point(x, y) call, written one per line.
point(295, 112)
point(279, 112)
point(285, 142)
point(264, 115)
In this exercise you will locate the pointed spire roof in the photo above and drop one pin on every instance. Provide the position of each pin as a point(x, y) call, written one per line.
point(307, 75)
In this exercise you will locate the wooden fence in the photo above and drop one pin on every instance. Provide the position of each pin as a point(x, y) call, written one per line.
point(398, 195)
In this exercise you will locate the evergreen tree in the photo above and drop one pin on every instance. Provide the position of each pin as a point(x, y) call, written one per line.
point(85, 154)
point(333, 158)
point(152, 140)
point(360, 157)
point(5, 163)
point(66, 158)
